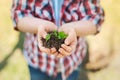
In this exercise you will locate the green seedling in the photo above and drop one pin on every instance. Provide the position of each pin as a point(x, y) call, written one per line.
point(55, 33)
point(62, 35)
point(48, 37)
point(54, 39)
point(58, 35)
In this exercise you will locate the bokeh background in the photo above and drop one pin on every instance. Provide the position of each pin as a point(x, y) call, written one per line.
point(107, 42)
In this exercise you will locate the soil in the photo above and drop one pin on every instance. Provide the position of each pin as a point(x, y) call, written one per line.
point(52, 42)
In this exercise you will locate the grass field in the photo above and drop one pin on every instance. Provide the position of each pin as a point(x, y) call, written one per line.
point(12, 62)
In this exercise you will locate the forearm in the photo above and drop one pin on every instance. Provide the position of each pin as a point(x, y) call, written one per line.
point(84, 28)
point(31, 24)
point(28, 24)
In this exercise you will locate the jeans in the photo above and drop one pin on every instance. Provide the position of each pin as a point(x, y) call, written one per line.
point(36, 74)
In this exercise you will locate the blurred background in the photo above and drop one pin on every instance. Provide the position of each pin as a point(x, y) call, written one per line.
point(104, 48)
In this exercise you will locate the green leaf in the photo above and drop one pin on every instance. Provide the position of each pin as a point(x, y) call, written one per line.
point(62, 35)
point(48, 37)
point(55, 33)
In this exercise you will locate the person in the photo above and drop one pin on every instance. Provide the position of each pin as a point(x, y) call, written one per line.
point(77, 18)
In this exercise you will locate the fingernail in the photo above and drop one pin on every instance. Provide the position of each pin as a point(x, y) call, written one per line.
point(59, 50)
point(66, 43)
point(62, 45)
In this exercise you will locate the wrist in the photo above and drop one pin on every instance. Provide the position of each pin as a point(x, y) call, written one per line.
point(72, 26)
point(42, 24)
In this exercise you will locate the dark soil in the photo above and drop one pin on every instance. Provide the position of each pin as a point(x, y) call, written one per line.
point(52, 42)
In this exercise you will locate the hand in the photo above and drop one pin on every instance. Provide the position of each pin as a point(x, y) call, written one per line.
point(70, 42)
point(43, 28)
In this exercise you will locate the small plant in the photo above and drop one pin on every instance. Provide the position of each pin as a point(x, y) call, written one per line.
point(54, 39)
point(47, 37)
point(59, 35)
point(62, 35)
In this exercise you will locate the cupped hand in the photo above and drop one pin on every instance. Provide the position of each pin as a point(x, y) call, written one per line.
point(43, 29)
point(70, 42)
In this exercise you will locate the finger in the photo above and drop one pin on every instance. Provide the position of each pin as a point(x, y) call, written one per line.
point(67, 48)
point(63, 52)
point(73, 44)
point(46, 50)
point(42, 33)
point(56, 53)
point(69, 39)
point(39, 42)
point(59, 56)
point(53, 50)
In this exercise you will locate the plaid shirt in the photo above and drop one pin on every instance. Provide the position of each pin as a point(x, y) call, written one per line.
point(72, 10)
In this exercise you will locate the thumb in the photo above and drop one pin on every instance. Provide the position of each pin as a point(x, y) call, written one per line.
point(42, 33)
point(51, 27)
point(69, 40)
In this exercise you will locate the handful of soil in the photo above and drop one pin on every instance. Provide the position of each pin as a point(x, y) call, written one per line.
point(54, 39)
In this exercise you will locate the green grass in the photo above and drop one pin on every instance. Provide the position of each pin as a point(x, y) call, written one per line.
point(14, 67)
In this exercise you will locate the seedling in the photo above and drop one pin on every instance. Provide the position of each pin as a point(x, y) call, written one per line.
point(59, 35)
point(47, 37)
point(62, 35)
point(54, 39)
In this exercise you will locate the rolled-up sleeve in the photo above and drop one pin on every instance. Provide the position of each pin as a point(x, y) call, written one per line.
point(20, 9)
point(91, 10)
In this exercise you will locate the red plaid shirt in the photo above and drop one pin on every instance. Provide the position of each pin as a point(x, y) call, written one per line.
point(72, 10)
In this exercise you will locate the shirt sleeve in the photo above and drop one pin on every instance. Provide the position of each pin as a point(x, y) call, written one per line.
point(20, 9)
point(91, 10)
